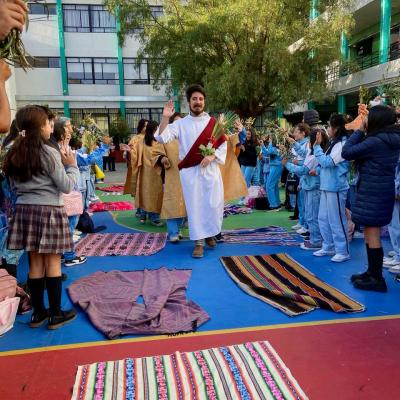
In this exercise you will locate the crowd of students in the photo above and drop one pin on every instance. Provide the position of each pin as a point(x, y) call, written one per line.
point(337, 168)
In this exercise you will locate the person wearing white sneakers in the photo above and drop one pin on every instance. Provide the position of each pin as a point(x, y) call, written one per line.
point(310, 184)
point(375, 147)
point(334, 186)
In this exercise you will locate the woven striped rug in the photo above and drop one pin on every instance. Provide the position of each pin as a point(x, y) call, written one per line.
point(246, 371)
point(121, 244)
point(283, 283)
point(270, 235)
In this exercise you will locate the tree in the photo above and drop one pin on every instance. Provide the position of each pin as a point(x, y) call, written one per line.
point(249, 54)
point(119, 130)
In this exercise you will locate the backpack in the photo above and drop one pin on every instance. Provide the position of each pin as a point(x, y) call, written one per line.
point(85, 223)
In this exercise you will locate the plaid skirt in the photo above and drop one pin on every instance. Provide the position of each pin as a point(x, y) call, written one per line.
point(43, 229)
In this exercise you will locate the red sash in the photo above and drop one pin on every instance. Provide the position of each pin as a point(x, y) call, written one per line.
point(194, 157)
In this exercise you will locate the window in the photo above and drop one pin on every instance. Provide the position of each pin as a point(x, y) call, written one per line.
point(134, 115)
point(43, 62)
point(156, 11)
point(136, 74)
point(87, 18)
point(99, 71)
point(42, 9)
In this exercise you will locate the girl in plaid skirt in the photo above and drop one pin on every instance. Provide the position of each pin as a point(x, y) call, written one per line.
point(39, 175)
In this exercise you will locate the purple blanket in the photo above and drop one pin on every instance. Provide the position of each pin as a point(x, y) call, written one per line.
point(110, 301)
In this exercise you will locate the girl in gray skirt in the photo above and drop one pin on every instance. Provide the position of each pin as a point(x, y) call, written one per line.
point(39, 174)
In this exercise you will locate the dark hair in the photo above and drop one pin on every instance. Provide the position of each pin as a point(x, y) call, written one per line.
point(141, 125)
point(303, 127)
point(380, 117)
point(149, 134)
point(59, 130)
point(12, 135)
point(337, 122)
point(313, 136)
point(253, 138)
point(194, 88)
point(50, 114)
point(173, 116)
point(25, 158)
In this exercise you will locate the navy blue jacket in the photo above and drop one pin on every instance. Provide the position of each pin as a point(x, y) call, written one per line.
point(376, 158)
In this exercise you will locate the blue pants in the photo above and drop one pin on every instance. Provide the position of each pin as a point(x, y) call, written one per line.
point(274, 177)
point(72, 221)
point(257, 173)
point(266, 174)
point(311, 200)
point(174, 225)
point(394, 229)
point(301, 207)
point(247, 174)
point(332, 222)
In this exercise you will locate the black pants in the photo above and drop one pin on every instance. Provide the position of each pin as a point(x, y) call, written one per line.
point(111, 163)
point(105, 162)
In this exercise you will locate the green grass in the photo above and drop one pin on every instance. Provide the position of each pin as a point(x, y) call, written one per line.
point(257, 219)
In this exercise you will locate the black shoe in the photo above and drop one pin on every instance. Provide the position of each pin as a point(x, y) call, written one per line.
point(39, 318)
point(293, 218)
point(75, 261)
point(305, 234)
point(62, 318)
point(371, 283)
point(361, 276)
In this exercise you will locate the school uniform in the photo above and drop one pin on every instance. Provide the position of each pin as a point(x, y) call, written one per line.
point(311, 190)
point(275, 172)
point(334, 186)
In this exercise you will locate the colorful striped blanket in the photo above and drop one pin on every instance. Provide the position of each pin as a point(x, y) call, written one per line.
point(121, 244)
point(111, 206)
point(282, 282)
point(115, 188)
point(247, 371)
point(234, 209)
point(270, 235)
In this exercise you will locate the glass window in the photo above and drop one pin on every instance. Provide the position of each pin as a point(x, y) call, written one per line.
point(42, 9)
point(101, 20)
point(43, 62)
point(99, 71)
point(134, 73)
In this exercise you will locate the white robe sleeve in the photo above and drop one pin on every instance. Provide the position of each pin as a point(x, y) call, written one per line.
point(220, 153)
point(170, 133)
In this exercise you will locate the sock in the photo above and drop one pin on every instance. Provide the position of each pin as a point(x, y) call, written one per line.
point(376, 256)
point(368, 257)
point(54, 287)
point(36, 288)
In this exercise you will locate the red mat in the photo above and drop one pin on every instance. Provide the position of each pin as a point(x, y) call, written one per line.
point(352, 360)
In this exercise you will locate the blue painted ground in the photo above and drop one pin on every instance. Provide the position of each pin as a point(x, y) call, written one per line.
point(210, 287)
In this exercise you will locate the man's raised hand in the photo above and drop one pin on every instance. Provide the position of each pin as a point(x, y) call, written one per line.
point(169, 109)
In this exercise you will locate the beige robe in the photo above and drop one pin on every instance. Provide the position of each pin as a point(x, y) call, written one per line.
point(145, 180)
point(173, 205)
point(130, 181)
point(232, 177)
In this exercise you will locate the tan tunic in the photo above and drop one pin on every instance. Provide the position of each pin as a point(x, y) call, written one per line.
point(232, 177)
point(146, 180)
point(173, 205)
point(130, 181)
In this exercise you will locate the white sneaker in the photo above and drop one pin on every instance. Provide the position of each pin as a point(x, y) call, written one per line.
point(395, 269)
point(77, 233)
point(358, 235)
point(391, 263)
point(301, 230)
point(297, 226)
point(340, 257)
point(392, 254)
point(322, 253)
point(76, 238)
point(386, 259)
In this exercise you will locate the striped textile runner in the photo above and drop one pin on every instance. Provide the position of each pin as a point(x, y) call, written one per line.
point(246, 371)
point(282, 282)
point(270, 235)
point(121, 244)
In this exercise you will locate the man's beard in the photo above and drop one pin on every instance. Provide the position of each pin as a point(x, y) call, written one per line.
point(197, 111)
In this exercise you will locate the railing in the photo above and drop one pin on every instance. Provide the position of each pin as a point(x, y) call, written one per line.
point(334, 72)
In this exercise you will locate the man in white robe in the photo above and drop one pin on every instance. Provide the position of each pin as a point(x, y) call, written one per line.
point(202, 185)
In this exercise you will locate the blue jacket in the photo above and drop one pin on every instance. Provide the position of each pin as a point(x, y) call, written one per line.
point(301, 148)
point(269, 151)
point(376, 157)
point(308, 182)
point(334, 169)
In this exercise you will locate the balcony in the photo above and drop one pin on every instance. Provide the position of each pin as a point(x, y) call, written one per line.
point(336, 71)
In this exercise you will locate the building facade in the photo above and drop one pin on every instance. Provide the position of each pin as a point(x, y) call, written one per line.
point(79, 67)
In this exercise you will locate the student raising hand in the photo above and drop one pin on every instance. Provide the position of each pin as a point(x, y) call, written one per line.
point(67, 156)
